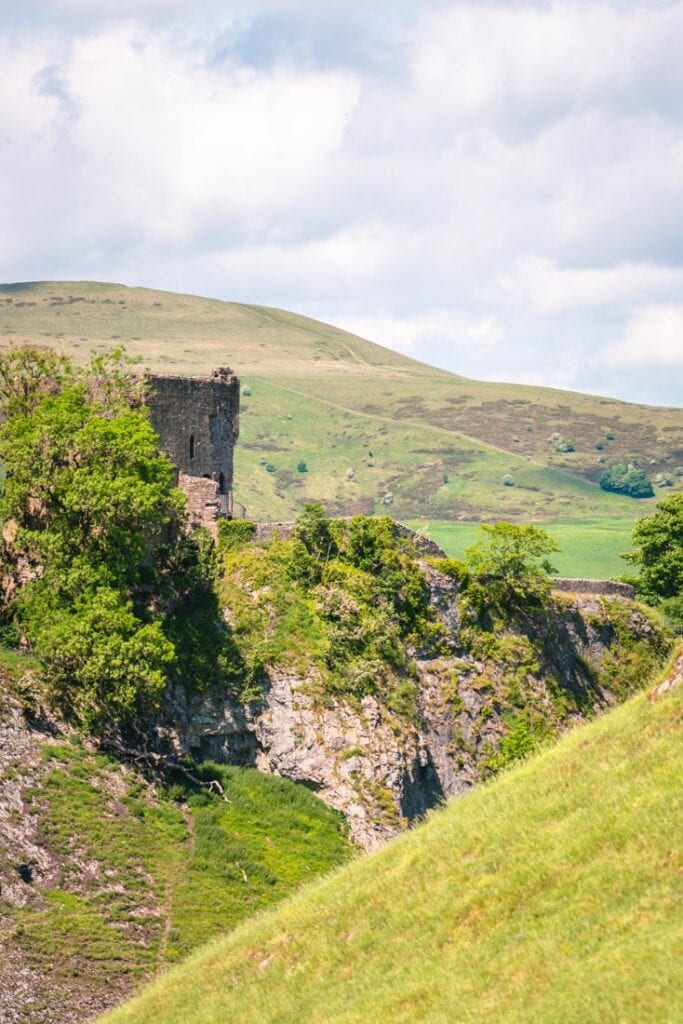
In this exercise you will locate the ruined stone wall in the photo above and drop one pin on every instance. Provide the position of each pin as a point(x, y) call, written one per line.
point(197, 420)
point(203, 500)
point(609, 587)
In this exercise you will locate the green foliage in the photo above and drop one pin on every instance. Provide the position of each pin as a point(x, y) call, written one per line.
point(346, 600)
point(93, 521)
point(103, 662)
point(454, 568)
point(634, 657)
point(658, 551)
point(525, 731)
point(233, 533)
point(301, 467)
point(587, 548)
point(627, 479)
point(509, 562)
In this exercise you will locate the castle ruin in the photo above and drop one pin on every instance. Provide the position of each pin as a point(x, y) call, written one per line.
point(197, 420)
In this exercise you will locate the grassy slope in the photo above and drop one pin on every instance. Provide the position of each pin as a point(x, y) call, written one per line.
point(440, 443)
point(552, 894)
point(588, 548)
point(135, 865)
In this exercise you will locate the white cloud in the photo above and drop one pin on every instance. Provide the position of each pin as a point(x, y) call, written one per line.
point(412, 334)
point(549, 289)
point(498, 189)
point(653, 337)
point(155, 147)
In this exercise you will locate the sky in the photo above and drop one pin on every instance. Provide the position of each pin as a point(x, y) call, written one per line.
point(494, 188)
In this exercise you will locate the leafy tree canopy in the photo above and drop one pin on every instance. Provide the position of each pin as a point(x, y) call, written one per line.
point(97, 562)
point(658, 550)
point(626, 479)
point(510, 561)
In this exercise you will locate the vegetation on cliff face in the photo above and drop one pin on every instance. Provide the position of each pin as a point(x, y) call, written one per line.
point(100, 577)
point(350, 608)
point(343, 603)
point(549, 895)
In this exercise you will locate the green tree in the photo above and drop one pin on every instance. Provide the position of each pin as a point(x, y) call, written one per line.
point(91, 529)
point(658, 550)
point(623, 479)
point(313, 544)
point(509, 560)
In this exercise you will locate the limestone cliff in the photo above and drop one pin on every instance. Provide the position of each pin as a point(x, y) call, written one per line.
point(486, 699)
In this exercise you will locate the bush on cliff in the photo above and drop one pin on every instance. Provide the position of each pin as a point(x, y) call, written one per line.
point(509, 560)
point(345, 598)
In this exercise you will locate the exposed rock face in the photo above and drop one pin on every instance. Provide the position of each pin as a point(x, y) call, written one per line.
point(356, 759)
point(384, 771)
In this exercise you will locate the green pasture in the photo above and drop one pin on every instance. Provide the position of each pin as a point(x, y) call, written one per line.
point(588, 548)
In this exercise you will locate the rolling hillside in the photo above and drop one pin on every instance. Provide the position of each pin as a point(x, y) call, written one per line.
point(333, 417)
point(551, 895)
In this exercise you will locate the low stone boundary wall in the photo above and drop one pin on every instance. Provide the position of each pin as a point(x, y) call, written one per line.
point(266, 531)
point(609, 587)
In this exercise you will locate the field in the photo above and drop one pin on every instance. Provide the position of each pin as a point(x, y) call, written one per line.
point(551, 896)
point(333, 417)
point(588, 548)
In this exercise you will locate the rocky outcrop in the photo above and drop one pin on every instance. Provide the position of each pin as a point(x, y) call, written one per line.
point(384, 770)
point(354, 758)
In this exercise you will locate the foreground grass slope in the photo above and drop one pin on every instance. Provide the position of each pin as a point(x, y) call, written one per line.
point(552, 894)
point(438, 444)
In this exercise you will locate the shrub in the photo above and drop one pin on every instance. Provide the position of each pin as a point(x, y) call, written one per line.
point(302, 467)
point(508, 561)
point(626, 479)
point(234, 533)
point(114, 581)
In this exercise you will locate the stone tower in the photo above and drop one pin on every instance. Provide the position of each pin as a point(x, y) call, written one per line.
point(197, 420)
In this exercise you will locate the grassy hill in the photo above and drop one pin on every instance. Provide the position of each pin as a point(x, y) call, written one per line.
point(366, 421)
point(106, 875)
point(551, 895)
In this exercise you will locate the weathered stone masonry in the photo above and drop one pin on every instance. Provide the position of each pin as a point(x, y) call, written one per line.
point(197, 420)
